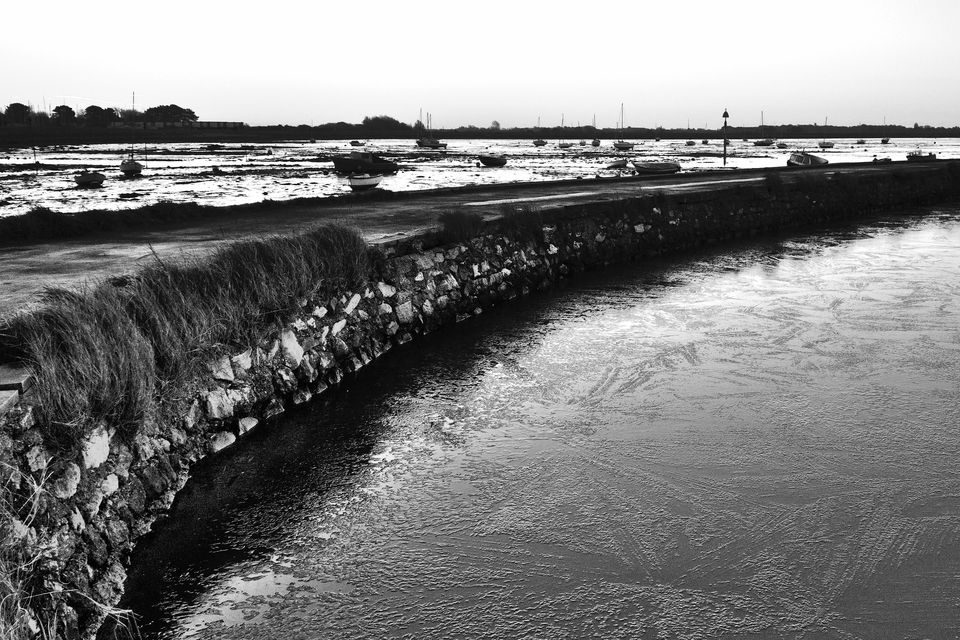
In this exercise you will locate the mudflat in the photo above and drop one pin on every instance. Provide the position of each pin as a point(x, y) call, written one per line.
point(26, 270)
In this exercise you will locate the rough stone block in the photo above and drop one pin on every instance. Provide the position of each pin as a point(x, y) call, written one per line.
point(292, 351)
point(405, 312)
point(96, 447)
point(386, 290)
point(354, 301)
point(8, 400)
point(15, 378)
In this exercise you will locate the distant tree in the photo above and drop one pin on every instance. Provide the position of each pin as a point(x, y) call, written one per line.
point(169, 113)
point(63, 114)
point(384, 125)
point(17, 113)
point(495, 125)
point(95, 116)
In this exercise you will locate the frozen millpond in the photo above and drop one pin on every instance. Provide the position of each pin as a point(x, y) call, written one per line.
point(759, 442)
point(226, 174)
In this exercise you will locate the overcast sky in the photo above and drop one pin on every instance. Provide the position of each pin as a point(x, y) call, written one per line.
point(669, 62)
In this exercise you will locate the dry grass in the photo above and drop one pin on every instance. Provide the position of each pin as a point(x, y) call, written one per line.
point(107, 352)
point(459, 226)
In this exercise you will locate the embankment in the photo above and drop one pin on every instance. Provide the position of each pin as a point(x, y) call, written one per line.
point(81, 491)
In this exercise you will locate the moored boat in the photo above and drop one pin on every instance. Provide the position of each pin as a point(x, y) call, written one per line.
point(130, 167)
point(364, 162)
point(782, 145)
point(595, 142)
point(763, 142)
point(621, 144)
point(884, 140)
point(539, 142)
point(804, 159)
point(492, 160)
point(650, 168)
point(356, 143)
point(919, 156)
point(363, 181)
point(89, 179)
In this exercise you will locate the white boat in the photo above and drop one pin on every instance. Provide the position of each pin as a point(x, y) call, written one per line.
point(363, 181)
point(89, 179)
point(621, 144)
point(804, 159)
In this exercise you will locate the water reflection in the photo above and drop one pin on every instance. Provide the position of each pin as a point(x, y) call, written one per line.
point(759, 442)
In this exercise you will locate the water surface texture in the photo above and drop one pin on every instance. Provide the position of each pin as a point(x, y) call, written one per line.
point(760, 442)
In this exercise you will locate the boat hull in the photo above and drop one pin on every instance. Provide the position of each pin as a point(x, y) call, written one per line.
point(655, 168)
point(431, 143)
point(359, 162)
point(492, 161)
point(805, 160)
point(623, 146)
point(130, 168)
point(363, 182)
point(89, 179)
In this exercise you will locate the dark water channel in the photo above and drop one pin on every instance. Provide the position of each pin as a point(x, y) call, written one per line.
point(760, 442)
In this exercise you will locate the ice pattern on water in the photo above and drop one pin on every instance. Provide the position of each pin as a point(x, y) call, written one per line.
point(757, 444)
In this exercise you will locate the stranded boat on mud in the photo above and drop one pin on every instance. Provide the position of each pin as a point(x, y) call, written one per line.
point(130, 167)
point(363, 181)
point(89, 179)
point(919, 156)
point(364, 162)
point(804, 159)
point(491, 160)
point(655, 168)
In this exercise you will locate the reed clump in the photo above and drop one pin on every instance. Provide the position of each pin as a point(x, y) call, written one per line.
point(459, 226)
point(522, 222)
point(107, 353)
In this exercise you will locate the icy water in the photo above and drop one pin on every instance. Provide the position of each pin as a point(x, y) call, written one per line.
point(225, 174)
point(760, 442)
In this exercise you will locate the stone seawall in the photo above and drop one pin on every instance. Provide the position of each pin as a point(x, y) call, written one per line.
point(96, 501)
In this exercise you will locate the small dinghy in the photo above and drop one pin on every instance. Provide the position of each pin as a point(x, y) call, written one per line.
point(363, 181)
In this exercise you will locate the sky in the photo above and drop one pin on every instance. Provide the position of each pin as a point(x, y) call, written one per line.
point(470, 63)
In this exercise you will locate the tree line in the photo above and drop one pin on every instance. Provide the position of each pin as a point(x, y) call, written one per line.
point(17, 113)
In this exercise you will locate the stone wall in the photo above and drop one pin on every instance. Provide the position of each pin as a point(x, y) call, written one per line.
point(99, 499)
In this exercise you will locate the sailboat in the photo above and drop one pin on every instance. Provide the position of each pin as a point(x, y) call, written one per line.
point(690, 143)
point(130, 168)
point(539, 142)
point(621, 145)
point(762, 142)
point(596, 141)
point(824, 143)
point(561, 144)
point(428, 141)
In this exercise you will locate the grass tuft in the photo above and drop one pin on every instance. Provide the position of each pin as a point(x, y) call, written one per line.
point(104, 353)
point(522, 222)
point(459, 226)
